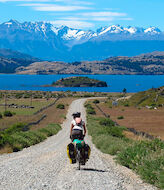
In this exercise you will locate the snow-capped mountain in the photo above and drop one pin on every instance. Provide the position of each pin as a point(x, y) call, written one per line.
point(47, 41)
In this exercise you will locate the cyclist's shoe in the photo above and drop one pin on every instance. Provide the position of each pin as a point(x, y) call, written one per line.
point(83, 162)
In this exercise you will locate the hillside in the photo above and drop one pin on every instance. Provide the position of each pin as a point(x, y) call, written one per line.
point(153, 97)
point(79, 82)
point(10, 60)
point(144, 64)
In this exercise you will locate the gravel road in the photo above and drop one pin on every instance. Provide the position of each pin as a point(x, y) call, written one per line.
point(46, 166)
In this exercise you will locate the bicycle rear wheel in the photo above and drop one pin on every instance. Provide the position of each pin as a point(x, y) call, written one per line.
point(78, 159)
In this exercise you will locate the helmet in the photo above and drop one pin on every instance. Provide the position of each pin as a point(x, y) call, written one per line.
point(76, 114)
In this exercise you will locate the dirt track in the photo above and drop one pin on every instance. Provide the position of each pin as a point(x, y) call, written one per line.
point(46, 167)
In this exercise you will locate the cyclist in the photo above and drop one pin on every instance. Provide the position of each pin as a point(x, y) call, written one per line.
point(78, 129)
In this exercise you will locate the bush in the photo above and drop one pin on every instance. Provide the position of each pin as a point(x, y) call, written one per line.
point(18, 95)
point(116, 132)
point(120, 117)
point(60, 106)
point(1, 116)
point(87, 105)
point(91, 111)
point(96, 101)
point(16, 128)
point(106, 122)
point(7, 113)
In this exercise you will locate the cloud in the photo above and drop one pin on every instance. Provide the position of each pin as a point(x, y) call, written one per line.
point(73, 2)
point(103, 14)
point(54, 7)
point(4, 1)
point(73, 24)
point(89, 19)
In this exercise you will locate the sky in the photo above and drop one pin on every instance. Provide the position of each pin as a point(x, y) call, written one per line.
point(86, 14)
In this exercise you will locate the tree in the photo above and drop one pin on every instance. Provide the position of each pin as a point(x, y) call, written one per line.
point(124, 91)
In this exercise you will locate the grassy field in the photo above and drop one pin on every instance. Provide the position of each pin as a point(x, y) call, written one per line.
point(15, 138)
point(36, 103)
point(145, 157)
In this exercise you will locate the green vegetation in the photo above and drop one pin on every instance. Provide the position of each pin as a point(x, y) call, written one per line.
point(153, 97)
point(79, 82)
point(146, 158)
point(60, 106)
point(90, 110)
point(1, 116)
point(120, 117)
point(107, 137)
point(19, 136)
point(96, 101)
point(8, 113)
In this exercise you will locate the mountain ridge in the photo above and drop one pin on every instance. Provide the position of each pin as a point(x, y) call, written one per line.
point(48, 42)
point(11, 60)
point(145, 64)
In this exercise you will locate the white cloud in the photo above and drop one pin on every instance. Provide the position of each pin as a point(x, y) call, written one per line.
point(54, 7)
point(73, 2)
point(73, 24)
point(103, 14)
point(3, 1)
point(89, 19)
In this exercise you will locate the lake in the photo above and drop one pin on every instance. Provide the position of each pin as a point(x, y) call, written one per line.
point(116, 83)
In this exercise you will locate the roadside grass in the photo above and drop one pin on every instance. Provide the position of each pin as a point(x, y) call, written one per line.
point(145, 157)
point(108, 138)
point(17, 138)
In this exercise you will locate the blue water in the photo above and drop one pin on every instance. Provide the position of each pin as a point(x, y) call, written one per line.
point(116, 83)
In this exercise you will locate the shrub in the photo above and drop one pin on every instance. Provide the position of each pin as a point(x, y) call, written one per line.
point(116, 132)
point(60, 106)
point(15, 128)
point(19, 95)
point(1, 116)
point(96, 101)
point(7, 113)
point(106, 122)
point(1, 140)
point(91, 111)
point(88, 95)
point(120, 117)
point(87, 105)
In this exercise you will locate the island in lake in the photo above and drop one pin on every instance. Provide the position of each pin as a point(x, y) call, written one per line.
point(79, 82)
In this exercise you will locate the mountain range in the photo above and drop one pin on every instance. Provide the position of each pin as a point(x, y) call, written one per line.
point(48, 42)
point(145, 64)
